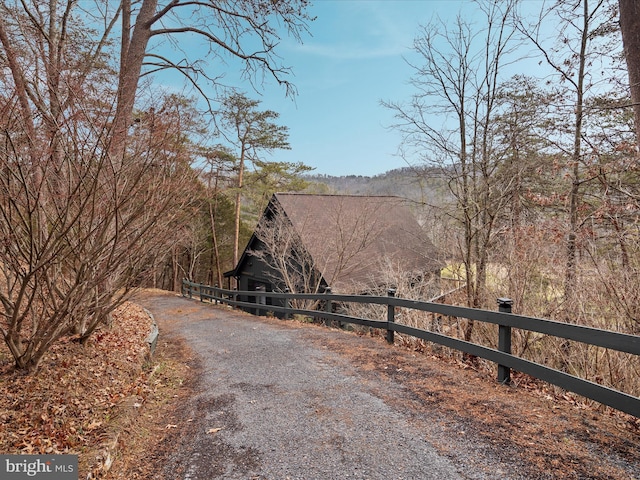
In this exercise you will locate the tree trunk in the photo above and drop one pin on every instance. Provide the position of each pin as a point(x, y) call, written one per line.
point(630, 27)
point(574, 196)
point(132, 52)
point(214, 240)
point(236, 235)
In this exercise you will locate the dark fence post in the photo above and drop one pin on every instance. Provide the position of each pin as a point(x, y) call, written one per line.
point(260, 299)
point(328, 306)
point(215, 294)
point(189, 286)
point(287, 305)
point(391, 315)
point(504, 340)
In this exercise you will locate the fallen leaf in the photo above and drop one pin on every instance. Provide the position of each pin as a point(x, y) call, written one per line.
point(213, 430)
point(93, 425)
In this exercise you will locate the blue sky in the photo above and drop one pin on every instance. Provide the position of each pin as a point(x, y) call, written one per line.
point(352, 61)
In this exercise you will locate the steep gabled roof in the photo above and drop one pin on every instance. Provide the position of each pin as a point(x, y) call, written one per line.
point(351, 238)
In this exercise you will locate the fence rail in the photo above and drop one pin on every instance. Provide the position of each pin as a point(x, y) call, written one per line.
point(503, 318)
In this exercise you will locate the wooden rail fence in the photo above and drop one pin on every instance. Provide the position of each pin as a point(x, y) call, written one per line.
point(503, 318)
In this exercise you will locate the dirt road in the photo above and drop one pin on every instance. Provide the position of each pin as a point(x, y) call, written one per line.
point(283, 400)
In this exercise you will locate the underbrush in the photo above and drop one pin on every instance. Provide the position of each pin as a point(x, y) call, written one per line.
point(610, 368)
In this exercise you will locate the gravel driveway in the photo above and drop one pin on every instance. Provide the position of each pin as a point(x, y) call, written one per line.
point(283, 400)
point(275, 404)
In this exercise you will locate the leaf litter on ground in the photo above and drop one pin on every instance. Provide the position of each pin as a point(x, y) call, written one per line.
point(69, 404)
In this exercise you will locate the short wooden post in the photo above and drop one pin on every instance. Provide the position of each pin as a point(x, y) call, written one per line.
point(287, 305)
point(391, 316)
point(504, 340)
point(328, 306)
point(260, 299)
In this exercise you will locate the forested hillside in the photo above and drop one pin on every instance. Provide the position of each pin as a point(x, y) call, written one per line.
point(415, 183)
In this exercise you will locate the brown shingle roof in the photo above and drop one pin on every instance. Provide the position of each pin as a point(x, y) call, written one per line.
point(351, 238)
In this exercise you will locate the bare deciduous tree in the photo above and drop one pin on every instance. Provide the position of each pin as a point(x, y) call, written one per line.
point(76, 237)
point(216, 174)
point(87, 191)
point(292, 267)
point(581, 41)
point(244, 30)
point(458, 83)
